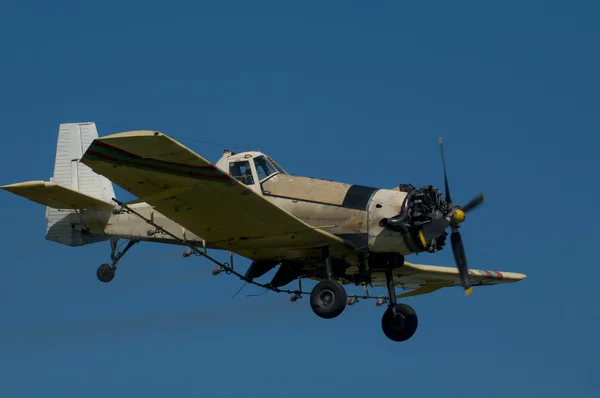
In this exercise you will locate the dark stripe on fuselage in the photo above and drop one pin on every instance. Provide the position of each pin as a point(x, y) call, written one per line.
point(358, 197)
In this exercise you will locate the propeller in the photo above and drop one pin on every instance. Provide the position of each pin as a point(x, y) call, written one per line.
point(456, 217)
point(473, 203)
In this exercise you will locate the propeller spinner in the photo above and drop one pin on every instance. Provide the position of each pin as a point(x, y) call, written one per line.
point(453, 219)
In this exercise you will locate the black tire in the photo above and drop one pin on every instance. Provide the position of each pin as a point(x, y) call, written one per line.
point(328, 299)
point(106, 273)
point(401, 324)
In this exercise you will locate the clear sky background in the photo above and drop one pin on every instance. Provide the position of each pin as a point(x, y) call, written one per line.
point(354, 91)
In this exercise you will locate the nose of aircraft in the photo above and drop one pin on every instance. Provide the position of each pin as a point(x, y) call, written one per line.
point(458, 216)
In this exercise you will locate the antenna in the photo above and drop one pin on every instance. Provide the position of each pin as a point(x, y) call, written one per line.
point(258, 140)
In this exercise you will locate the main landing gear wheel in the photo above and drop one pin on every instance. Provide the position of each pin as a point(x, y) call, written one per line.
point(399, 324)
point(328, 299)
point(399, 321)
point(106, 273)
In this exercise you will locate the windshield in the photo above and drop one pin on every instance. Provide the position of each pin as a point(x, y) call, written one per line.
point(264, 168)
point(277, 166)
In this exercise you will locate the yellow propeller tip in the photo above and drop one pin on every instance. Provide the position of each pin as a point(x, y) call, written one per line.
point(468, 291)
point(422, 238)
point(440, 140)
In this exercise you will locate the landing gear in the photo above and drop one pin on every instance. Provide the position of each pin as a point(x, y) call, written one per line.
point(328, 298)
point(399, 321)
point(106, 272)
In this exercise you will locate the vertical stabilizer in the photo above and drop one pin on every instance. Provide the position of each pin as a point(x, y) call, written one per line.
point(73, 140)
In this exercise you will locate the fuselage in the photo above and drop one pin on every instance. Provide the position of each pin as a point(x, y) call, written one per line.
point(350, 211)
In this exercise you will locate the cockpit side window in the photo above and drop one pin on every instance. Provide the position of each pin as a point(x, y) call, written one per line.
point(264, 168)
point(241, 171)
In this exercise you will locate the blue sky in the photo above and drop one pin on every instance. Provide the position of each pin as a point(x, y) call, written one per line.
point(344, 90)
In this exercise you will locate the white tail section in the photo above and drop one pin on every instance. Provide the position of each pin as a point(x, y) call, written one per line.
point(73, 141)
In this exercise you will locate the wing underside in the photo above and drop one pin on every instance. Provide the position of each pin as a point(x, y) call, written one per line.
point(203, 199)
point(424, 279)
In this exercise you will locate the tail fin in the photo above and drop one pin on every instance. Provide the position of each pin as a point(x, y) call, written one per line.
point(73, 141)
point(73, 187)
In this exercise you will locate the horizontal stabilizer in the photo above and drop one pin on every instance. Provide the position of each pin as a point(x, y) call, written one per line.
point(56, 196)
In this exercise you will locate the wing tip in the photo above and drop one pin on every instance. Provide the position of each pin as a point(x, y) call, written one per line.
point(519, 277)
point(25, 185)
point(511, 276)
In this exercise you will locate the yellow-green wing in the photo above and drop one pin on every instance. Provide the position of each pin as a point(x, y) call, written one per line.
point(203, 199)
point(426, 279)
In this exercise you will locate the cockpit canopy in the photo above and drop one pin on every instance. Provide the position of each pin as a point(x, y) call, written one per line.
point(249, 167)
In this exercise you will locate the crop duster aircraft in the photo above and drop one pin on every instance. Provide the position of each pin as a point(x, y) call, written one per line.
point(247, 204)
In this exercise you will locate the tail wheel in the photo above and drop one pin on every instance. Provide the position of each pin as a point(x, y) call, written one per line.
point(106, 273)
point(399, 324)
point(328, 299)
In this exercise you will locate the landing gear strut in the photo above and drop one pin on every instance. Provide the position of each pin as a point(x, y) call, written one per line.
point(106, 272)
point(399, 321)
point(328, 298)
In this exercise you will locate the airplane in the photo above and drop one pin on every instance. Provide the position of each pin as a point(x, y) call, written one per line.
point(331, 232)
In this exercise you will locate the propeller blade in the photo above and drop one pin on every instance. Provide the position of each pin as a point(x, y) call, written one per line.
point(474, 203)
point(446, 185)
point(460, 258)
